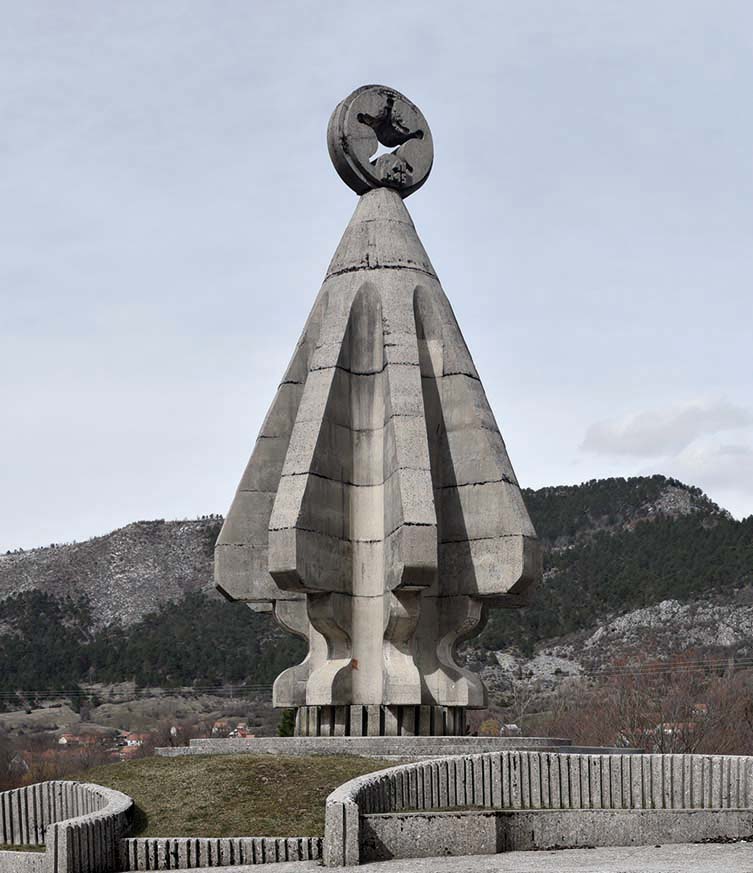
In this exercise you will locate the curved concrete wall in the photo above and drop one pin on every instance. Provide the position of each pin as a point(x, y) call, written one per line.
point(361, 815)
point(83, 828)
point(26, 812)
point(80, 825)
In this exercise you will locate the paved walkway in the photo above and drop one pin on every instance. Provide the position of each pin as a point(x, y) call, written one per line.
point(684, 858)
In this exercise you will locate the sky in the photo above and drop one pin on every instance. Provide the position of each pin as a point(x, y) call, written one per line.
point(168, 210)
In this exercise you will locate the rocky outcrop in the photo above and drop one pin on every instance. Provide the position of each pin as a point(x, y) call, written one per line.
point(125, 574)
point(667, 630)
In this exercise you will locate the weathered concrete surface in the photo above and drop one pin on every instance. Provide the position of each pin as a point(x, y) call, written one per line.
point(481, 832)
point(379, 515)
point(375, 114)
point(177, 853)
point(378, 720)
point(80, 824)
point(374, 815)
point(22, 862)
point(683, 858)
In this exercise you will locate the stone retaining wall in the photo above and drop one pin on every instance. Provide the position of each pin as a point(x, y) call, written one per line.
point(377, 747)
point(368, 818)
point(480, 832)
point(172, 853)
point(80, 825)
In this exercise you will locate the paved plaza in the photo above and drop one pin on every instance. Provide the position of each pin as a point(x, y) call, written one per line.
point(682, 858)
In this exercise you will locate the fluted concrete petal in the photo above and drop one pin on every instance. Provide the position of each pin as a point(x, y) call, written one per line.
point(381, 494)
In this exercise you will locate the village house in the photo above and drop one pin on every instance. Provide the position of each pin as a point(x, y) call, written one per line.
point(136, 739)
point(71, 739)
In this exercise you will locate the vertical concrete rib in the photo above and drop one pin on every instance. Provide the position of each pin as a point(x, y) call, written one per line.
point(534, 771)
point(564, 781)
point(478, 780)
point(495, 780)
point(464, 767)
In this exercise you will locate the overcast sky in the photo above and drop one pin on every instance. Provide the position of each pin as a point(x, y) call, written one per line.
point(168, 210)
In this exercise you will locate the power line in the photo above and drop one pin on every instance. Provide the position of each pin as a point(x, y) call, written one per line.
point(684, 667)
point(654, 669)
point(151, 692)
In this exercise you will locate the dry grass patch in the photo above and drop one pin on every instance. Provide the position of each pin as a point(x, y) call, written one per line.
point(231, 795)
point(6, 848)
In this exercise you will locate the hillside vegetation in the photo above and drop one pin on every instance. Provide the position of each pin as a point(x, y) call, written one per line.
point(566, 514)
point(198, 641)
point(702, 553)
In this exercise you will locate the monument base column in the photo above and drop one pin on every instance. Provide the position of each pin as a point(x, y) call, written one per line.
point(380, 720)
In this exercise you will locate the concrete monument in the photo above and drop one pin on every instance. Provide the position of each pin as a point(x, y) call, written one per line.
point(379, 516)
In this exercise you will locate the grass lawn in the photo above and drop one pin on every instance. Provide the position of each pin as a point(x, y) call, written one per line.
point(231, 795)
point(6, 848)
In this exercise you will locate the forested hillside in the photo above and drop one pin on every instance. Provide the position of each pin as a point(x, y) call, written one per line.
point(681, 559)
point(565, 514)
point(611, 546)
point(47, 645)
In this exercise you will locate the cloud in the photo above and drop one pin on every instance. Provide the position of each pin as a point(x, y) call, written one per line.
point(656, 433)
point(723, 467)
point(689, 442)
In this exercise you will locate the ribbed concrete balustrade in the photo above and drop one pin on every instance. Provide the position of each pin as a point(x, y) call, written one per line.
point(79, 824)
point(467, 804)
point(185, 853)
point(523, 800)
point(83, 829)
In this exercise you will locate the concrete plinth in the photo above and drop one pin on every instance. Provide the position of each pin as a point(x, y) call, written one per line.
point(402, 747)
point(380, 721)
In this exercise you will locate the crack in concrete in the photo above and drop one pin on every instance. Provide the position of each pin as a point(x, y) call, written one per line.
point(252, 546)
point(452, 373)
point(350, 372)
point(504, 480)
point(363, 429)
point(349, 540)
point(356, 484)
point(486, 539)
point(367, 267)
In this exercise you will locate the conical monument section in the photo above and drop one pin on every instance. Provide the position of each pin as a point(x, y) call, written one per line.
point(379, 516)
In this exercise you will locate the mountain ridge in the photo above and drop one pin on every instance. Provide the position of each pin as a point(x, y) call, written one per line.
point(125, 574)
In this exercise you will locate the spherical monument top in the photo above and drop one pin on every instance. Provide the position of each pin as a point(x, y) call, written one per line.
point(374, 115)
